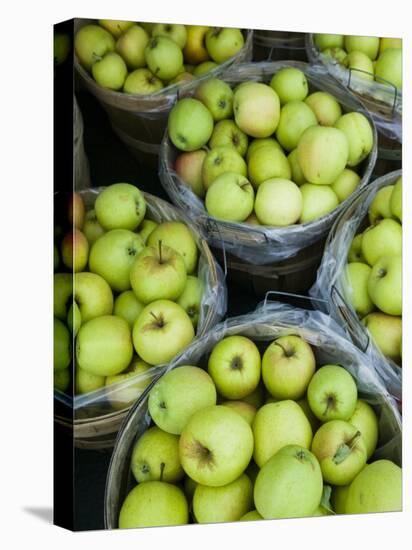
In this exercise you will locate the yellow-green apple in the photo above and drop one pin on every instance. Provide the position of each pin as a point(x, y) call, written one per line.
point(345, 184)
point(226, 133)
point(75, 250)
point(223, 43)
point(386, 42)
point(61, 47)
point(389, 67)
point(112, 256)
point(181, 78)
point(365, 420)
point(92, 42)
point(317, 201)
point(142, 82)
point(246, 410)
point(386, 332)
point(189, 167)
point(356, 287)
point(295, 117)
point(369, 45)
point(190, 124)
point(252, 219)
point(179, 237)
point(230, 197)
point(256, 108)
point(177, 395)
point(332, 393)
point(340, 450)
point(288, 365)
point(323, 153)
point(338, 498)
point(86, 382)
point(289, 485)
point(253, 515)
point(120, 206)
point(61, 379)
point(338, 55)
point(261, 142)
point(92, 295)
point(219, 161)
point(296, 171)
point(382, 239)
point(358, 132)
point(396, 199)
point(127, 306)
point(324, 41)
point(74, 319)
point(256, 397)
point(104, 345)
point(131, 45)
point(226, 503)
point(195, 51)
point(385, 284)
point(355, 253)
point(154, 504)
point(234, 366)
point(115, 26)
point(204, 68)
point(215, 446)
point(92, 229)
point(175, 32)
point(155, 457)
point(267, 162)
point(146, 228)
point(158, 273)
point(377, 488)
point(110, 71)
point(163, 57)
point(360, 64)
point(313, 421)
point(278, 202)
point(277, 425)
point(62, 294)
point(148, 27)
point(122, 390)
point(162, 330)
point(61, 345)
point(290, 84)
point(326, 108)
point(191, 298)
point(76, 211)
point(217, 96)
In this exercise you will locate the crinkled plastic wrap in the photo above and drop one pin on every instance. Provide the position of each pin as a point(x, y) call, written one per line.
point(269, 45)
point(258, 244)
point(80, 160)
point(381, 98)
point(331, 281)
point(269, 321)
point(213, 308)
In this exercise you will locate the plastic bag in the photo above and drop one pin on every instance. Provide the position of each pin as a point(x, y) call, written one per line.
point(80, 160)
point(331, 281)
point(269, 321)
point(271, 45)
point(261, 245)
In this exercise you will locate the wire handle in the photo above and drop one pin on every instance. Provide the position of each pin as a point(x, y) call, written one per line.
point(359, 337)
point(380, 79)
point(210, 222)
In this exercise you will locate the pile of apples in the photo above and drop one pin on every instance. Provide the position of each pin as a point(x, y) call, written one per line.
point(262, 434)
point(128, 293)
point(143, 58)
point(374, 271)
point(268, 154)
point(372, 58)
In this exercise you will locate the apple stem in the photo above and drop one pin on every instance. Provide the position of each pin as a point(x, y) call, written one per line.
point(352, 441)
point(162, 467)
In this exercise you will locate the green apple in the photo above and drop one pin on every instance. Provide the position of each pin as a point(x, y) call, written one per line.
point(92, 229)
point(62, 294)
point(289, 485)
point(340, 450)
point(389, 67)
point(217, 96)
point(317, 201)
point(230, 197)
point(163, 57)
point(396, 200)
point(386, 42)
point(246, 410)
point(359, 134)
point(221, 504)
point(142, 82)
point(288, 365)
point(115, 27)
point(385, 284)
point(256, 108)
point(113, 255)
point(104, 345)
point(131, 46)
point(122, 390)
point(221, 160)
point(268, 162)
point(146, 228)
point(61, 48)
point(162, 330)
point(181, 78)
point(191, 298)
point(127, 306)
point(74, 318)
point(178, 236)
point(278, 202)
point(227, 134)
point(296, 171)
point(86, 382)
point(92, 42)
point(295, 117)
point(152, 504)
point(252, 219)
point(382, 239)
point(360, 64)
point(365, 420)
point(195, 51)
point(189, 168)
point(326, 108)
point(337, 55)
point(155, 457)
point(256, 397)
point(92, 295)
point(386, 332)
point(323, 153)
point(356, 287)
point(290, 84)
point(369, 45)
point(61, 345)
point(261, 142)
point(223, 43)
point(377, 488)
point(75, 250)
point(324, 41)
point(338, 498)
point(215, 446)
point(355, 253)
point(204, 68)
point(345, 184)
point(190, 124)
point(61, 379)
point(177, 33)
point(253, 515)
point(277, 425)
point(120, 206)
point(110, 71)
point(332, 393)
point(313, 421)
point(234, 365)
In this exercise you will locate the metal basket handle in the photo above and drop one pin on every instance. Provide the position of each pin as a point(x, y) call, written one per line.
point(380, 79)
point(360, 337)
point(324, 303)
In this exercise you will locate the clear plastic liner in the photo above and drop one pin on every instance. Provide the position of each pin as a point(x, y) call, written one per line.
point(258, 244)
point(269, 321)
point(331, 281)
